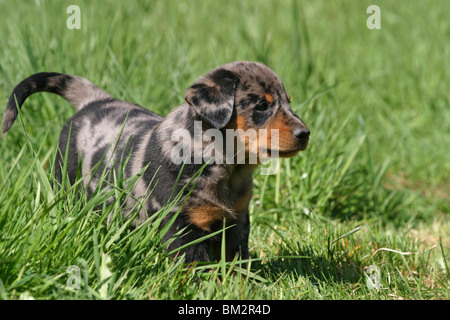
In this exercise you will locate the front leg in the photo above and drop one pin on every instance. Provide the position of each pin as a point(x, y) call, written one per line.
point(198, 222)
point(198, 252)
point(245, 231)
point(236, 239)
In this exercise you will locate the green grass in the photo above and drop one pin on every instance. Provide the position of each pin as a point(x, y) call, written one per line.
point(371, 190)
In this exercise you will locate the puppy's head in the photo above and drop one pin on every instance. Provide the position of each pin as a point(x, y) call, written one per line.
point(250, 96)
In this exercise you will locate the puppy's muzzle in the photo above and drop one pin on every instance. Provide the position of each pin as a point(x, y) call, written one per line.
point(302, 136)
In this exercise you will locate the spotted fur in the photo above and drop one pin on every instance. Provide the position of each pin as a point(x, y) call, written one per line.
point(104, 131)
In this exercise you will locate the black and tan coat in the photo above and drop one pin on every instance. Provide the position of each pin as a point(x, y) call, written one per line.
point(237, 96)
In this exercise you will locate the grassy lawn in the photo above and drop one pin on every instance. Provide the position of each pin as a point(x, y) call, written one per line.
point(363, 213)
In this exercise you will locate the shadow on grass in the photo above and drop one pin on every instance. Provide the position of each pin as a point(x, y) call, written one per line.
point(328, 266)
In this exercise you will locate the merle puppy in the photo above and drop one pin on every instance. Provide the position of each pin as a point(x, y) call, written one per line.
point(239, 96)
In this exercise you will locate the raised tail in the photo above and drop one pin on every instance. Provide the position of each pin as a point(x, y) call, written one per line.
point(77, 90)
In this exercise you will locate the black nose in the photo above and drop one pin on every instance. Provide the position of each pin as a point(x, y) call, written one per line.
point(301, 133)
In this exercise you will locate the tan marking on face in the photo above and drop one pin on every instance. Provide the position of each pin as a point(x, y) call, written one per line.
point(268, 97)
point(258, 141)
point(287, 144)
point(238, 123)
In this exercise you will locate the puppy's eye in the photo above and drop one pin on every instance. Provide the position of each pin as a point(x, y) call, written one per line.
point(262, 106)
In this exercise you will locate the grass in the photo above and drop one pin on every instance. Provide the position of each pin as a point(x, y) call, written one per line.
point(370, 192)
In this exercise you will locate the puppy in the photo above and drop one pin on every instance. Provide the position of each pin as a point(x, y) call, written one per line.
point(106, 133)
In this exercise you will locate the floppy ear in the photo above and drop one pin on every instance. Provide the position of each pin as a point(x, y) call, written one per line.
point(212, 97)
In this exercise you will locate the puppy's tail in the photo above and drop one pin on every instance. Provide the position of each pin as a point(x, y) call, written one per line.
point(77, 90)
